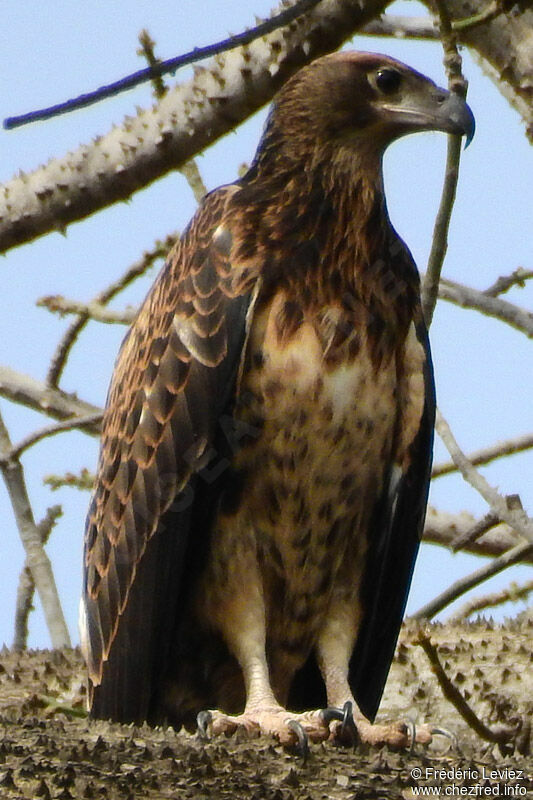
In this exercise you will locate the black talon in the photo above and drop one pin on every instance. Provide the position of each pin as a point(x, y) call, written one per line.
point(348, 722)
point(204, 721)
point(302, 747)
point(329, 714)
point(345, 716)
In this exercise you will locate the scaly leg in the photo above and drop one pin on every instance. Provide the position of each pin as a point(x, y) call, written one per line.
point(335, 647)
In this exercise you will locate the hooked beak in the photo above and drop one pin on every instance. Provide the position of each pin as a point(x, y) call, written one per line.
point(437, 110)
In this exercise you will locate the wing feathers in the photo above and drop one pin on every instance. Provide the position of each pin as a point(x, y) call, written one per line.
point(174, 372)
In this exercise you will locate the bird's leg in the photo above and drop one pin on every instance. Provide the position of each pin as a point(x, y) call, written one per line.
point(335, 646)
point(243, 627)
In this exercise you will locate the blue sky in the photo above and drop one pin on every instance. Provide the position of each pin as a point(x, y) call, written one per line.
point(55, 51)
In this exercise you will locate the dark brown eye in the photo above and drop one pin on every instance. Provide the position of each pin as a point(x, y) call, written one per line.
point(388, 80)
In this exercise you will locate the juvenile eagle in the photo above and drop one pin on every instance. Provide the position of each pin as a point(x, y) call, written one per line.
point(266, 446)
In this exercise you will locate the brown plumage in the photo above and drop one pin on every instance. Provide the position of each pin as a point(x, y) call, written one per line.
point(266, 447)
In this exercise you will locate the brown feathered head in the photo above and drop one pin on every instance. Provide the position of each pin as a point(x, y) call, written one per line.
point(362, 99)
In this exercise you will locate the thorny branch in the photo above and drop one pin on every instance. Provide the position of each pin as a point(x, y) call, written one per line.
point(190, 169)
point(502, 735)
point(190, 116)
point(157, 68)
point(513, 593)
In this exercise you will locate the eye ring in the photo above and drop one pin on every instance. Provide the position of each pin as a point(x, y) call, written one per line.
point(388, 80)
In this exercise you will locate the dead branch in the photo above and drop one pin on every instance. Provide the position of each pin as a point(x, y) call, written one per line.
point(443, 528)
point(518, 277)
point(515, 517)
point(502, 735)
point(477, 530)
point(502, 47)
point(191, 116)
point(439, 244)
point(399, 27)
point(97, 311)
point(463, 585)
point(466, 297)
point(84, 480)
point(190, 169)
point(59, 359)
point(51, 430)
point(487, 454)
point(55, 403)
point(26, 585)
point(158, 68)
point(513, 593)
point(30, 535)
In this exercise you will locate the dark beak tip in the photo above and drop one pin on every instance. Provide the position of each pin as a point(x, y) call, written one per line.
point(462, 116)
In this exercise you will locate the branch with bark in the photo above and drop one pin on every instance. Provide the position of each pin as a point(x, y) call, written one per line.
point(192, 115)
point(443, 528)
point(220, 96)
point(55, 403)
point(31, 538)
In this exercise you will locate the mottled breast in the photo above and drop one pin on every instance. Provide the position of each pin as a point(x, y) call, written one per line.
point(327, 415)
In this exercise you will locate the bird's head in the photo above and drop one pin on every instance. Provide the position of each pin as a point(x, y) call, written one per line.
point(355, 100)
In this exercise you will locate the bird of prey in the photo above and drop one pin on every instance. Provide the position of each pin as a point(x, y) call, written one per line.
point(266, 445)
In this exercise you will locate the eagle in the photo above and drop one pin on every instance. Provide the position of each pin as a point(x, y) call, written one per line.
point(266, 445)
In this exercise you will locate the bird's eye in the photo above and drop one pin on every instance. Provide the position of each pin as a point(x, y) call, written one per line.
point(388, 80)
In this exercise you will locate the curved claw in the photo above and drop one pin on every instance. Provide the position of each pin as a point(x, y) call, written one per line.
point(410, 725)
point(343, 715)
point(348, 723)
point(329, 714)
point(448, 734)
point(204, 720)
point(303, 741)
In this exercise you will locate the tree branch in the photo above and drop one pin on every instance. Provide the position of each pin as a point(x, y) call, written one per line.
point(516, 518)
point(463, 585)
point(189, 117)
point(439, 245)
point(502, 735)
point(55, 403)
point(37, 436)
point(466, 297)
point(157, 69)
point(505, 282)
point(26, 586)
point(502, 48)
point(59, 359)
point(488, 454)
point(512, 593)
point(443, 528)
point(96, 311)
point(37, 560)
point(399, 27)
